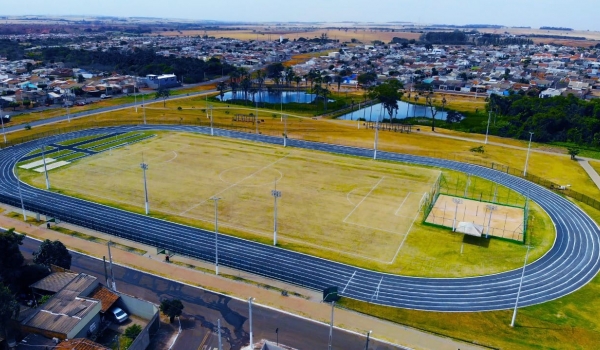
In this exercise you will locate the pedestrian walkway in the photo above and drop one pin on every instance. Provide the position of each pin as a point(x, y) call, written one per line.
point(593, 174)
point(266, 292)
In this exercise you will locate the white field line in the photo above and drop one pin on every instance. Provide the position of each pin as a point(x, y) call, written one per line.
point(351, 277)
point(401, 204)
point(172, 159)
point(362, 200)
point(236, 183)
point(406, 235)
point(374, 228)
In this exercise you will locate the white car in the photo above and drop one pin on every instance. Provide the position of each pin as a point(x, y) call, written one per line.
point(120, 315)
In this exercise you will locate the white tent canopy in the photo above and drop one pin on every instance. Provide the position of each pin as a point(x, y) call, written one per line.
point(469, 228)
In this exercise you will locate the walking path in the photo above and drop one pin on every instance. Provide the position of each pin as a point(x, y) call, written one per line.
point(308, 306)
point(585, 164)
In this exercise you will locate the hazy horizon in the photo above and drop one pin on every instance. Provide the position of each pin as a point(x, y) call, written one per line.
point(533, 13)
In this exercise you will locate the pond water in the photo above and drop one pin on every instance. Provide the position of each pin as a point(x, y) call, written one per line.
point(404, 110)
point(271, 97)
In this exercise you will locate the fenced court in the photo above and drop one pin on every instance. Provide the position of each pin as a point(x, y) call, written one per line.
point(330, 205)
point(493, 211)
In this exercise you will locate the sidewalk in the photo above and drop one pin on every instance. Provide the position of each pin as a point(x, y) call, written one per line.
point(308, 307)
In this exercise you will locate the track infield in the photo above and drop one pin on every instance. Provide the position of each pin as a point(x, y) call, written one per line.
point(343, 205)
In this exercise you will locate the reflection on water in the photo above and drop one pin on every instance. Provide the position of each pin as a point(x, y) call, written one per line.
point(404, 110)
point(271, 97)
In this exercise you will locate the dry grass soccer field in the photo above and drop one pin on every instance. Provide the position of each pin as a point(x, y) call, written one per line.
point(343, 205)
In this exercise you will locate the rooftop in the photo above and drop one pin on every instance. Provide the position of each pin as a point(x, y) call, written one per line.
point(106, 297)
point(54, 282)
point(80, 344)
point(65, 309)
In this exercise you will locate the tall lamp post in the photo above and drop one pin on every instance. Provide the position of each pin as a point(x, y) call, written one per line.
point(368, 336)
point(487, 130)
point(456, 201)
point(144, 109)
point(285, 131)
point(276, 194)
point(376, 134)
point(216, 199)
point(528, 150)
point(144, 167)
point(212, 133)
point(514, 317)
point(250, 320)
point(491, 208)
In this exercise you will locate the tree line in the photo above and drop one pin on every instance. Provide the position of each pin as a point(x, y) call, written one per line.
point(138, 62)
point(556, 119)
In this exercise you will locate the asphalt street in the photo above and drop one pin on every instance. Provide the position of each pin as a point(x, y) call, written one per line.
point(202, 309)
point(571, 263)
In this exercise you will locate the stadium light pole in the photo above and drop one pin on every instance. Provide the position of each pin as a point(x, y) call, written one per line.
point(256, 120)
point(43, 148)
point(514, 317)
point(219, 333)
point(491, 208)
point(331, 327)
point(135, 95)
point(285, 131)
point(457, 201)
point(487, 130)
point(212, 133)
point(144, 167)
point(276, 194)
point(216, 199)
point(376, 134)
point(528, 150)
point(250, 320)
point(21, 196)
point(144, 108)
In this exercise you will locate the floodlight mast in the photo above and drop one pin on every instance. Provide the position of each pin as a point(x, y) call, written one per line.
point(514, 317)
point(2, 121)
point(276, 194)
point(45, 167)
point(216, 199)
point(144, 167)
point(212, 133)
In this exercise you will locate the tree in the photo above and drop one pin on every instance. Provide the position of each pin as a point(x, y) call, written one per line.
point(388, 94)
point(10, 256)
point(366, 79)
point(133, 331)
point(429, 101)
point(80, 78)
point(171, 308)
point(221, 88)
point(53, 253)
point(9, 308)
point(338, 79)
point(164, 93)
point(573, 152)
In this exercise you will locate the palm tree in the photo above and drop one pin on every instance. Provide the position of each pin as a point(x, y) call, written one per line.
point(338, 79)
point(289, 75)
point(245, 85)
point(297, 79)
point(221, 88)
point(415, 105)
point(234, 86)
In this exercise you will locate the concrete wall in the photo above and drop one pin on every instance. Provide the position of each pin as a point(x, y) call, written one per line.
point(145, 310)
point(83, 333)
point(85, 322)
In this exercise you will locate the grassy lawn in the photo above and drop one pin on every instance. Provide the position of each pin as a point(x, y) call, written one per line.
point(362, 212)
point(570, 322)
point(90, 238)
point(80, 139)
point(596, 166)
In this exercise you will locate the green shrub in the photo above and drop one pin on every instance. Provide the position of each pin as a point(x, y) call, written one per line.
point(133, 331)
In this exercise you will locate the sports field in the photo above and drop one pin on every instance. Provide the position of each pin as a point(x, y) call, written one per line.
point(349, 206)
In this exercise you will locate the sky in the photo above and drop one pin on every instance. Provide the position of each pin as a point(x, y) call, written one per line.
point(581, 15)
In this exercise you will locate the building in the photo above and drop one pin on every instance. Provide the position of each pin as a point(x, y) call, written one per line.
point(162, 81)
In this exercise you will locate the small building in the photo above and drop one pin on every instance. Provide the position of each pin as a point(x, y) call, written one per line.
point(162, 81)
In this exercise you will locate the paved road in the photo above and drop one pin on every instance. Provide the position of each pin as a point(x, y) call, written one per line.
point(203, 308)
point(571, 263)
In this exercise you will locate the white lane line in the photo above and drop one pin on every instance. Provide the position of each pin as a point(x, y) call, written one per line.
point(405, 235)
point(362, 200)
point(235, 183)
point(351, 277)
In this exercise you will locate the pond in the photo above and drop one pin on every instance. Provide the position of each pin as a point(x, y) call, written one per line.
point(271, 97)
point(404, 110)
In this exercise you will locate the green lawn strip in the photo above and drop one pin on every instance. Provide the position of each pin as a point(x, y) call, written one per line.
point(110, 139)
point(91, 238)
point(596, 166)
point(121, 142)
point(238, 278)
point(19, 216)
point(73, 156)
point(80, 139)
point(37, 150)
point(48, 155)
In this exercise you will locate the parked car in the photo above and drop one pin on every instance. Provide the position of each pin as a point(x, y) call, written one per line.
point(119, 315)
point(80, 103)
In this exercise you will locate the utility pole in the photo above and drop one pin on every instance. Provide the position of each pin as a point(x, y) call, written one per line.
point(212, 133)
point(276, 194)
point(45, 168)
point(112, 272)
point(250, 320)
point(144, 167)
point(331, 327)
point(219, 334)
point(368, 335)
point(488, 126)
point(528, 150)
point(216, 199)
point(514, 317)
